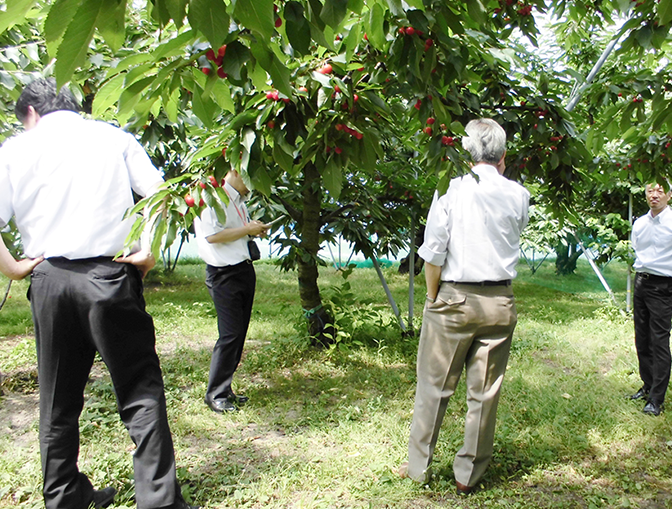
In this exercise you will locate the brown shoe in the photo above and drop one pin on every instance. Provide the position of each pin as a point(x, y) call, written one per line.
point(463, 489)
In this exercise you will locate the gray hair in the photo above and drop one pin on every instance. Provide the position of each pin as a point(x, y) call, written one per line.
point(486, 141)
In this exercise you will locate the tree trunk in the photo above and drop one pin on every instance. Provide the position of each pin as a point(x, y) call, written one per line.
point(566, 257)
point(319, 321)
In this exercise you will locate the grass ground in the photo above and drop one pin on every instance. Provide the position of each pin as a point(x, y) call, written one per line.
point(327, 428)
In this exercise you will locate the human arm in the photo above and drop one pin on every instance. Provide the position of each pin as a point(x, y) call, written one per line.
point(252, 229)
point(14, 269)
point(433, 279)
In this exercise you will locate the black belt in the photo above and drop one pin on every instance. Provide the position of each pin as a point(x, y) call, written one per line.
point(653, 277)
point(503, 282)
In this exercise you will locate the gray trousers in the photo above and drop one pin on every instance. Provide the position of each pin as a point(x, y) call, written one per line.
point(468, 327)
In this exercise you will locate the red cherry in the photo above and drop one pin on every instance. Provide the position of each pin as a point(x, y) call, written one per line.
point(431, 120)
point(410, 31)
point(338, 150)
point(202, 184)
point(221, 73)
point(326, 69)
point(189, 200)
point(213, 181)
point(402, 31)
point(303, 89)
point(206, 70)
point(339, 127)
point(270, 124)
point(355, 97)
point(222, 50)
point(366, 38)
point(278, 23)
point(210, 54)
point(359, 135)
point(201, 202)
point(337, 89)
point(418, 104)
point(447, 140)
point(428, 130)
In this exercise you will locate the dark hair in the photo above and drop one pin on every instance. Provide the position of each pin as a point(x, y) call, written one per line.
point(41, 94)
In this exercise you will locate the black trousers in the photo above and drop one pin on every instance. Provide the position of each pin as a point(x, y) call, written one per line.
point(653, 319)
point(80, 307)
point(232, 291)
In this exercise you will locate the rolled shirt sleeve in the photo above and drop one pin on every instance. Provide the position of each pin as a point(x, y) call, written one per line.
point(434, 249)
point(144, 176)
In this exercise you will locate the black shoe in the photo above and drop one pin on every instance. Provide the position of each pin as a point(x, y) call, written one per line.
point(642, 393)
point(221, 405)
point(104, 497)
point(652, 408)
point(237, 400)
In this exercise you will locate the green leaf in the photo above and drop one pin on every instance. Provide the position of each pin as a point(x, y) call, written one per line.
point(72, 51)
point(131, 95)
point(210, 18)
point(107, 95)
point(173, 47)
point(332, 177)
point(15, 13)
point(60, 15)
point(111, 23)
point(333, 12)
point(262, 181)
point(171, 105)
point(257, 15)
point(376, 31)
point(665, 11)
point(204, 108)
point(248, 139)
point(236, 56)
point(284, 160)
point(274, 67)
point(177, 10)
point(477, 11)
point(221, 93)
point(297, 28)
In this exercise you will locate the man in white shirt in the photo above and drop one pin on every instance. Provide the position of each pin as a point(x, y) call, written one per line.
point(471, 251)
point(67, 182)
point(231, 281)
point(652, 242)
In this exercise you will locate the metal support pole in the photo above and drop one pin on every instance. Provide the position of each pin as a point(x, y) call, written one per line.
point(390, 299)
point(411, 274)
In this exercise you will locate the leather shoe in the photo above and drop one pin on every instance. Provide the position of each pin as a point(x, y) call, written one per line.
point(640, 394)
point(237, 400)
point(104, 497)
point(463, 489)
point(652, 408)
point(221, 405)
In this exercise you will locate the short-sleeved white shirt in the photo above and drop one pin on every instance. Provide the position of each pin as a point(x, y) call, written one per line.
point(652, 242)
point(68, 183)
point(221, 254)
point(473, 231)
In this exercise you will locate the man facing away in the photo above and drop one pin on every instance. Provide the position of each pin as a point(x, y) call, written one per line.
point(68, 181)
point(471, 251)
point(652, 242)
point(231, 281)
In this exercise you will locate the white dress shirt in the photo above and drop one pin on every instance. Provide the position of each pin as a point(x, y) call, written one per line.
point(68, 183)
point(652, 242)
point(221, 254)
point(473, 231)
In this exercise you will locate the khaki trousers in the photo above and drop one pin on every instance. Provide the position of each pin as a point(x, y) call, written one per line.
point(470, 327)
